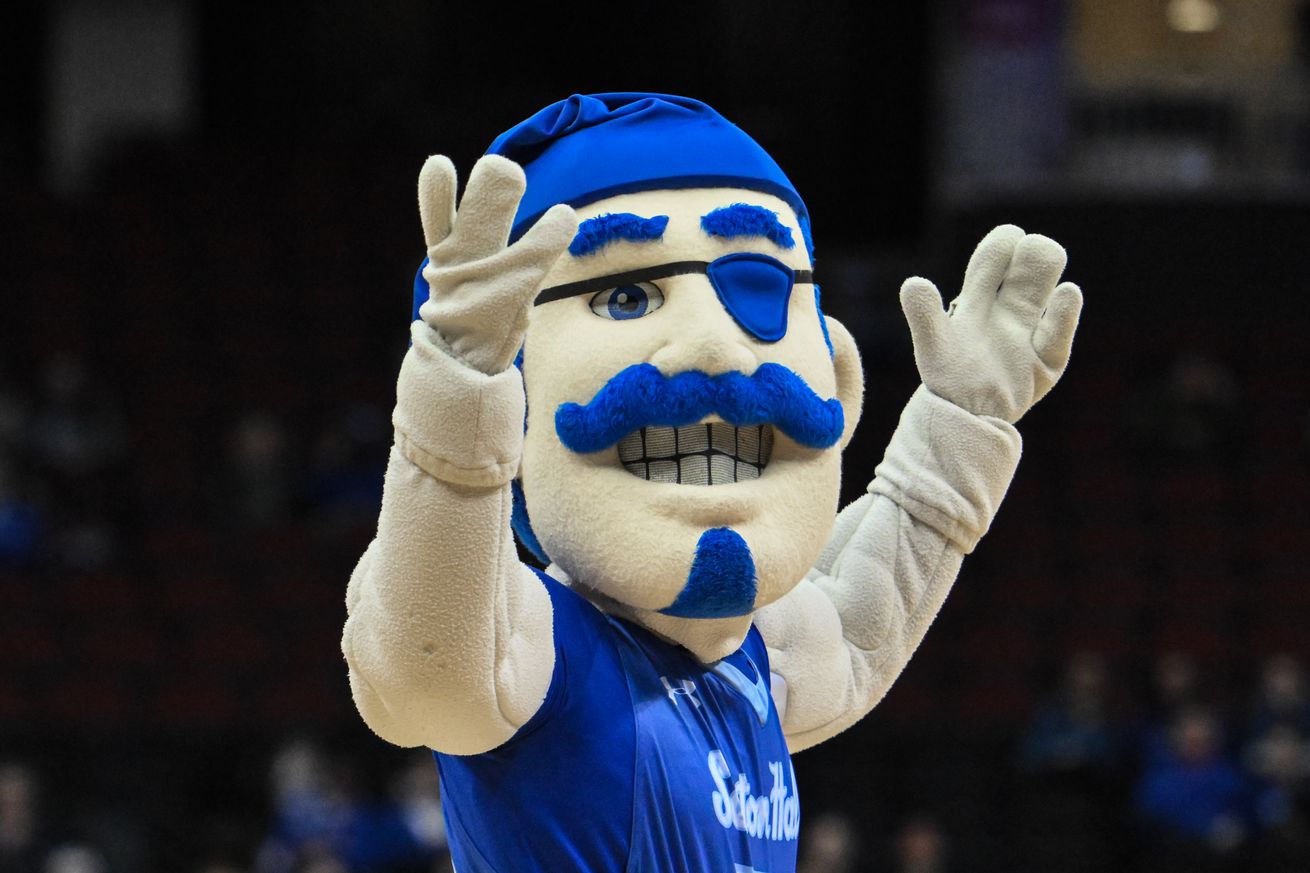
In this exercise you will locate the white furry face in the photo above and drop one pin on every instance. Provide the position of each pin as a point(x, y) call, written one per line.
point(619, 520)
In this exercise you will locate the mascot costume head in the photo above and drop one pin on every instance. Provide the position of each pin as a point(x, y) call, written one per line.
point(669, 443)
point(676, 348)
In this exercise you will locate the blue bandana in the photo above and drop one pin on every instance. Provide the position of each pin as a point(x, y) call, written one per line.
point(590, 147)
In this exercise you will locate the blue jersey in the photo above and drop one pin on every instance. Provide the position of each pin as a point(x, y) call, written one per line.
point(641, 759)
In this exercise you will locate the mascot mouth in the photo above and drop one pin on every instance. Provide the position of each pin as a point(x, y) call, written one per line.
point(698, 454)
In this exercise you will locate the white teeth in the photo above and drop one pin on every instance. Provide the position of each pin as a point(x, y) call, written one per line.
point(663, 471)
point(697, 454)
point(724, 439)
point(630, 449)
point(722, 468)
point(695, 469)
point(661, 442)
point(748, 444)
point(747, 471)
point(693, 438)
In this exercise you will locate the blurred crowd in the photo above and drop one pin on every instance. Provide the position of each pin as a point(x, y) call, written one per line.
point(1185, 778)
point(318, 821)
point(68, 460)
point(1182, 781)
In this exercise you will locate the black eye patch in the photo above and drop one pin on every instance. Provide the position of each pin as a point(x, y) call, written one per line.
point(754, 288)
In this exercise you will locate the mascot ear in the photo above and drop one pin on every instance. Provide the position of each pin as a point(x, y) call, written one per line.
point(850, 375)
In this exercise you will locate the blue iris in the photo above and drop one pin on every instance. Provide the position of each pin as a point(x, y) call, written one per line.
point(627, 301)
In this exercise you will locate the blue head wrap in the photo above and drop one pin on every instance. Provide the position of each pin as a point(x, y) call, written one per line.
point(593, 146)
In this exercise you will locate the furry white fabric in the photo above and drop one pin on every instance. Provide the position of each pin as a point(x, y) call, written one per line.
point(848, 630)
point(449, 639)
point(844, 635)
point(1007, 336)
point(482, 290)
point(629, 543)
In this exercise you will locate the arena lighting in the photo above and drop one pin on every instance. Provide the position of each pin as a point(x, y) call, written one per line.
point(1193, 16)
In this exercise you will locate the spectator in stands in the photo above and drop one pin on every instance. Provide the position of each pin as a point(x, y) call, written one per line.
point(309, 813)
point(345, 479)
point(1194, 413)
point(1195, 803)
point(829, 845)
point(1074, 731)
point(1280, 760)
point(1175, 687)
point(22, 849)
point(418, 795)
point(1282, 697)
point(75, 858)
point(20, 521)
point(256, 484)
point(78, 430)
point(323, 825)
point(1073, 757)
point(921, 847)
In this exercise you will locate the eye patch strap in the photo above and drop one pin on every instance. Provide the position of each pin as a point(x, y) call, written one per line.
point(632, 277)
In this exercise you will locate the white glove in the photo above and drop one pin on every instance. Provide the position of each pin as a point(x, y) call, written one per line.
point(1006, 339)
point(481, 290)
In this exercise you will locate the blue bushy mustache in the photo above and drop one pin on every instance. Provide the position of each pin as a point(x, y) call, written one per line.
point(641, 396)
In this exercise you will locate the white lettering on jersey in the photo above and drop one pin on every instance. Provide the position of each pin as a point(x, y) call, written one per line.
point(685, 687)
point(775, 816)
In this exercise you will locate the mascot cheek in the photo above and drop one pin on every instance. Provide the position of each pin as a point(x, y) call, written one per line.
point(850, 375)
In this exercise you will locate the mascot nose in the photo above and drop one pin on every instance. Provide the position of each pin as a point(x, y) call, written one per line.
point(710, 342)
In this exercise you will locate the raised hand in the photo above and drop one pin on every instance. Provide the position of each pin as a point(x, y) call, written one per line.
point(481, 288)
point(1006, 338)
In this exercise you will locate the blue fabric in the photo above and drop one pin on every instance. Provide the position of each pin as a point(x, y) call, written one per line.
point(596, 233)
point(640, 759)
point(755, 289)
point(807, 235)
point(589, 147)
point(518, 516)
point(640, 396)
point(823, 322)
point(745, 219)
point(420, 290)
point(722, 578)
point(522, 525)
point(752, 687)
point(1188, 799)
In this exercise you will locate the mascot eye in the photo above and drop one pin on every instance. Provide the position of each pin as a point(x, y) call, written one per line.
point(627, 301)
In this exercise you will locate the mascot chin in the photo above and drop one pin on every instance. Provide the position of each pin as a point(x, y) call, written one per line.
point(618, 353)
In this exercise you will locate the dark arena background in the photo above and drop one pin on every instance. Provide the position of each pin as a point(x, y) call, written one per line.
point(209, 234)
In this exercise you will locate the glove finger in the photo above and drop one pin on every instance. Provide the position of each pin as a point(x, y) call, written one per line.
point(922, 305)
point(532, 257)
point(436, 198)
point(1035, 267)
point(552, 233)
point(486, 211)
point(1053, 337)
point(987, 267)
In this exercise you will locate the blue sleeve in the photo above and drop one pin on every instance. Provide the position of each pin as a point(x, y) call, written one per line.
point(572, 764)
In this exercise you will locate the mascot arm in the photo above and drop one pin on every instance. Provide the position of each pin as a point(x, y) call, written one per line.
point(848, 629)
point(841, 638)
point(448, 638)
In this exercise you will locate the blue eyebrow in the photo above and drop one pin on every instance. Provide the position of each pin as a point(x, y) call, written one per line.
point(596, 233)
point(744, 219)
